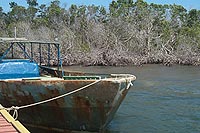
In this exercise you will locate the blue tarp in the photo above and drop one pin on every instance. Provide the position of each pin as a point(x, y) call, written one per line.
point(11, 69)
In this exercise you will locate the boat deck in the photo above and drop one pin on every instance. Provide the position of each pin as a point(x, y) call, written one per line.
point(34, 78)
point(9, 125)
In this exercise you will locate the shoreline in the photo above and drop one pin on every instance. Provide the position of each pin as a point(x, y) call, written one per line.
point(137, 61)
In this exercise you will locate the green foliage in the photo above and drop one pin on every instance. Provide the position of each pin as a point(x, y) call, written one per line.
point(193, 18)
point(131, 26)
point(85, 48)
point(120, 8)
point(31, 13)
point(32, 2)
point(73, 13)
point(12, 4)
point(2, 14)
point(18, 13)
point(54, 9)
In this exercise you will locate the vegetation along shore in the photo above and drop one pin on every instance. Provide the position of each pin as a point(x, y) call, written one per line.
point(124, 33)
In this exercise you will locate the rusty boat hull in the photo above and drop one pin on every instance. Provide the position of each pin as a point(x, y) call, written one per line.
point(30, 80)
point(90, 109)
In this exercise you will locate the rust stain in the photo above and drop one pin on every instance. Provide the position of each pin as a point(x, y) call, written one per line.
point(22, 98)
point(50, 93)
point(13, 94)
point(101, 108)
point(56, 105)
point(82, 108)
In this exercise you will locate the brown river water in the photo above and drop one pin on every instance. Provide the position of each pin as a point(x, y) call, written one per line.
point(162, 100)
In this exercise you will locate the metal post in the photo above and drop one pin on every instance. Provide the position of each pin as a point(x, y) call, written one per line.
point(24, 47)
point(59, 60)
point(49, 49)
point(40, 52)
point(12, 50)
point(15, 32)
point(31, 52)
point(58, 47)
point(6, 52)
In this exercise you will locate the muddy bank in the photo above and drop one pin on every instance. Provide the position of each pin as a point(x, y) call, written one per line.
point(129, 59)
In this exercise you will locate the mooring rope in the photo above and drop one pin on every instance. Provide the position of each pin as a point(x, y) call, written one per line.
point(129, 84)
point(16, 108)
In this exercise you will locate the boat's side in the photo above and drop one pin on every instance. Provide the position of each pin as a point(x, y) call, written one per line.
point(89, 109)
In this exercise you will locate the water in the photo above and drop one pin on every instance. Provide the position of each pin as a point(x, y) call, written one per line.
point(163, 99)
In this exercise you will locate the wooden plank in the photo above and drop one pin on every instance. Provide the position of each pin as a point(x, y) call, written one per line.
point(19, 126)
point(9, 124)
point(7, 116)
point(5, 126)
point(7, 129)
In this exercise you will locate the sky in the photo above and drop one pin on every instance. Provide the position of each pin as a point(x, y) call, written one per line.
point(188, 4)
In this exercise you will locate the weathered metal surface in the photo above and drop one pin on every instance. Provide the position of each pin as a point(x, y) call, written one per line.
point(90, 109)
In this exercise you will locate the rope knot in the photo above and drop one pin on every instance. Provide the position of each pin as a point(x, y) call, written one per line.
point(129, 84)
point(15, 112)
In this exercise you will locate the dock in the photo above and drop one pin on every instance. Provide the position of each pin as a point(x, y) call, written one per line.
point(8, 124)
